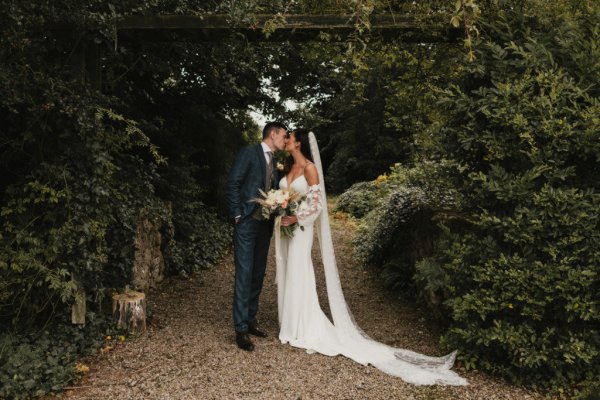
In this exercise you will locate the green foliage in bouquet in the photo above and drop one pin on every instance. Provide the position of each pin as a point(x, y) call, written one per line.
point(523, 284)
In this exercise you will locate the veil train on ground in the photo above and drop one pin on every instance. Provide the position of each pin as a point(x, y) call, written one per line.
point(412, 367)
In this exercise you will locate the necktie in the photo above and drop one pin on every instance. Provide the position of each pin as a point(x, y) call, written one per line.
point(269, 172)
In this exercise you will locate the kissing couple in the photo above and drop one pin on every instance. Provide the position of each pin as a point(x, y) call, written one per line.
point(302, 323)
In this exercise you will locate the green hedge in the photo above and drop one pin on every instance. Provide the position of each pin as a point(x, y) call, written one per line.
point(524, 282)
point(523, 286)
point(80, 166)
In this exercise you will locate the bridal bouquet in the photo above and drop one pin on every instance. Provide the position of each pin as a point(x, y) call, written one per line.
point(280, 203)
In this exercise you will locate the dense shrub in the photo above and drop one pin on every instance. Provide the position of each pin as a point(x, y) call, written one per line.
point(371, 122)
point(34, 364)
point(514, 264)
point(524, 283)
point(402, 228)
point(390, 236)
point(67, 225)
point(200, 236)
point(359, 199)
point(80, 166)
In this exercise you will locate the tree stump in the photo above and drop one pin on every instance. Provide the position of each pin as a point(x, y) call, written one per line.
point(129, 311)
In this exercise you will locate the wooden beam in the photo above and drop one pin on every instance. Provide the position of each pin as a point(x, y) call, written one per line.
point(296, 27)
point(220, 21)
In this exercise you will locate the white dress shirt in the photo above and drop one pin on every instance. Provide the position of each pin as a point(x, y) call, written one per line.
point(266, 149)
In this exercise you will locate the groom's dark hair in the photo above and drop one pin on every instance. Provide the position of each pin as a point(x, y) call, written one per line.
point(270, 126)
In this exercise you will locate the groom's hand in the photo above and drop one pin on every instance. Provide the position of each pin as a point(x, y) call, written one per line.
point(288, 220)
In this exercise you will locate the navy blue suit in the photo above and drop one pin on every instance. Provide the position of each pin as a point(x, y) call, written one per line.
point(251, 235)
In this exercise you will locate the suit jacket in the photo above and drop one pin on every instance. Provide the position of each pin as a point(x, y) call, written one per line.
point(246, 177)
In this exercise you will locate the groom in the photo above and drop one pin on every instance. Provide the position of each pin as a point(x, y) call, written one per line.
point(251, 171)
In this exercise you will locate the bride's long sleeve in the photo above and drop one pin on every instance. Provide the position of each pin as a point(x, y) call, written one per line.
point(310, 208)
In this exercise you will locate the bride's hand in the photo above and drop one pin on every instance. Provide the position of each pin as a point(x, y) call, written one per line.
point(288, 220)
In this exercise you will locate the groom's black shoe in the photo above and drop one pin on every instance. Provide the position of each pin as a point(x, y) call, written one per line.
point(243, 341)
point(256, 331)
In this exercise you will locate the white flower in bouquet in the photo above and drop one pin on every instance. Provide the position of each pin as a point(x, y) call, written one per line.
point(280, 202)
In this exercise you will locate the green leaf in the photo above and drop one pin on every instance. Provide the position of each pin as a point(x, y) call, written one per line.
point(455, 21)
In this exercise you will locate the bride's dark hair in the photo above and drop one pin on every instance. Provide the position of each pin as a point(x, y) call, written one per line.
point(301, 136)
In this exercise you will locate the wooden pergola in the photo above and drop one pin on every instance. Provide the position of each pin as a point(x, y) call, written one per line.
point(296, 27)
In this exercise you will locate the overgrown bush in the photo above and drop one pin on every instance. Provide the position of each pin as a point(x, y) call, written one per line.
point(373, 117)
point(34, 364)
point(200, 236)
point(80, 165)
point(402, 228)
point(517, 273)
point(358, 200)
point(68, 224)
point(524, 283)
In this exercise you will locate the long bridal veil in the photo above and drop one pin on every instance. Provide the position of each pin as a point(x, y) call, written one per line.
point(412, 367)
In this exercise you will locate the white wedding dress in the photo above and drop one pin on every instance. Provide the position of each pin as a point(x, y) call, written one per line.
point(302, 322)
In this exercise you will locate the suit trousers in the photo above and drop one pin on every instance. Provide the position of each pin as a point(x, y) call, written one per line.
point(251, 241)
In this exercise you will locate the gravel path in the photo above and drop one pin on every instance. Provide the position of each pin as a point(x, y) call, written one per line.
point(189, 351)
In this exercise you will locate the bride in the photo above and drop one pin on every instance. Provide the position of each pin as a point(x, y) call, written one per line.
point(302, 322)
